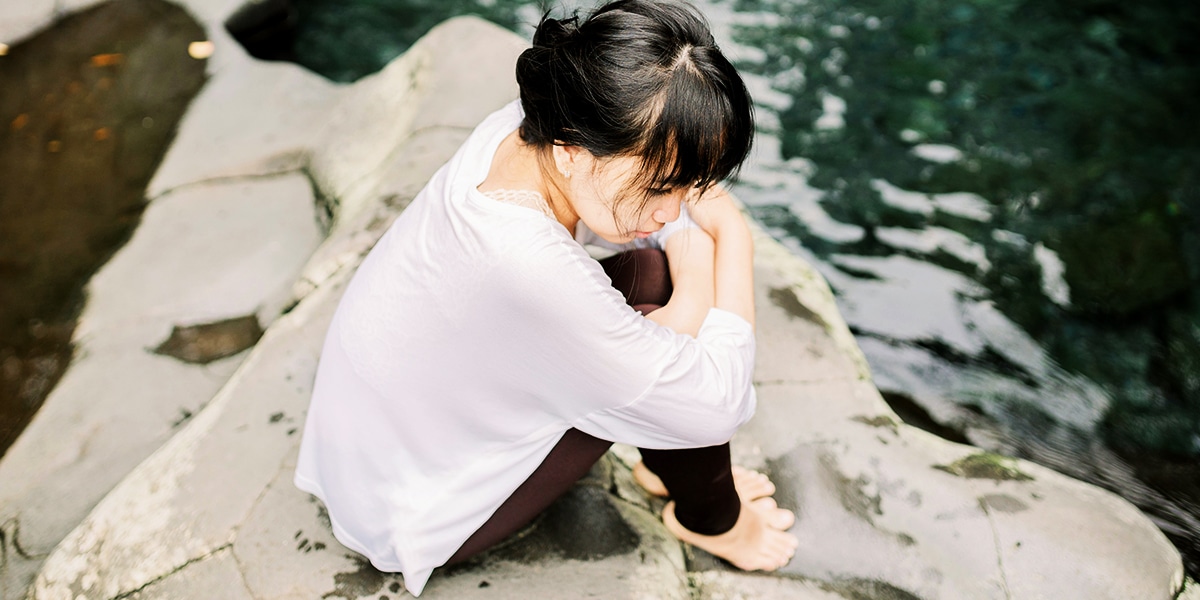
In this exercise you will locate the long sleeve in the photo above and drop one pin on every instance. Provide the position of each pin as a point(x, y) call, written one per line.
point(629, 379)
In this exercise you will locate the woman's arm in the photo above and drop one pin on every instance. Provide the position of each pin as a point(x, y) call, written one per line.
point(690, 257)
point(712, 266)
point(634, 380)
point(719, 216)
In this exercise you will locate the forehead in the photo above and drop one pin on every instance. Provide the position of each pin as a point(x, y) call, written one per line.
point(631, 171)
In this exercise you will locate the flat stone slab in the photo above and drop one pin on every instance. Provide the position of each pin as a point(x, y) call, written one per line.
point(20, 19)
point(199, 255)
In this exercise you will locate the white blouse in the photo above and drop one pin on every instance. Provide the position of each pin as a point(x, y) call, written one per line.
point(471, 338)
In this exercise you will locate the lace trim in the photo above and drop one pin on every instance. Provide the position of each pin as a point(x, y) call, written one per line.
point(525, 198)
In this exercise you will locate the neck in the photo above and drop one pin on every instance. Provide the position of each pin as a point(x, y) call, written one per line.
point(517, 165)
point(553, 186)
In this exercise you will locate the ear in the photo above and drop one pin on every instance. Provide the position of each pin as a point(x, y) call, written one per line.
point(568, 159)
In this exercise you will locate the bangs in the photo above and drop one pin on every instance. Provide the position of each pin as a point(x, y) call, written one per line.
point(697, 134)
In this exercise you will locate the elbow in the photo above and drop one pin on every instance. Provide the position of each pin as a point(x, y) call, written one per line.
point(732, 406)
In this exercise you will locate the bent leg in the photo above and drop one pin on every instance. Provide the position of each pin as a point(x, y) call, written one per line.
point(700, 480)
point(708, 509)
point(643, 278)
point(571, 459)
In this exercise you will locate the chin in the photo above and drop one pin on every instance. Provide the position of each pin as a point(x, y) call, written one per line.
point(618, 238)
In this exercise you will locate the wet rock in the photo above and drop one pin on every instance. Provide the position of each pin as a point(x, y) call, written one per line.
point(87, 111)
point(582, 525)
point(206, 342)
point(985, 465)
point(786, 299)
point(118, 402)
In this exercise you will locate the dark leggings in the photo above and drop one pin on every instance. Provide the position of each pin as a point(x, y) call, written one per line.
point(699, 479)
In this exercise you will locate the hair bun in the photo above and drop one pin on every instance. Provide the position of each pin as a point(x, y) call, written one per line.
point(553, 33)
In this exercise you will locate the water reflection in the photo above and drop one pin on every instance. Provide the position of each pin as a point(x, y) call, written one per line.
point(1006, 202)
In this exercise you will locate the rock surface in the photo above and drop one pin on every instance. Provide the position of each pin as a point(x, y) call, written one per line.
point(199, 255)
point(884, 510)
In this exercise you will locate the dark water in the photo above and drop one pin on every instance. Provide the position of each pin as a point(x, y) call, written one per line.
point(1004, 194)
point(1075, 280)
point(87, 110)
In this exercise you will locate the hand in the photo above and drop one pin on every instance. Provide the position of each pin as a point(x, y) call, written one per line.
point(717, 213)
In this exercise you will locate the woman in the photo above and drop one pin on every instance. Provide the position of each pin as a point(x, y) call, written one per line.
point(481, 361)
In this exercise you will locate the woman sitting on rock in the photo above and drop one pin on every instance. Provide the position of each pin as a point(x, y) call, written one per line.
point(481, 361)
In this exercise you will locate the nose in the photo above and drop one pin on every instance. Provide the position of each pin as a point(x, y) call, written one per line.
point(668, 210)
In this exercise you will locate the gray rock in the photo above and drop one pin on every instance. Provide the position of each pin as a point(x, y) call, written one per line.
point(878, 501)
point(18, 20)
point(119, 401)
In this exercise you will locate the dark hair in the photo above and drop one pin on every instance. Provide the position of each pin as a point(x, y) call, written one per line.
point(638, 78)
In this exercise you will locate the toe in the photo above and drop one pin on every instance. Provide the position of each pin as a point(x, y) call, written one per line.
point(776, 518)
point(648, 480)
point(765, 505)
point(782, 519)
point(752, 484)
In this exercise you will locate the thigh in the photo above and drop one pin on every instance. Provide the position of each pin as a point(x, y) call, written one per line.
point(642, 276)
point(571, 459)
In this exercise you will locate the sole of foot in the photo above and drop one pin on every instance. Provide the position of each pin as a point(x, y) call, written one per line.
point(750, 485)
point(757, 541)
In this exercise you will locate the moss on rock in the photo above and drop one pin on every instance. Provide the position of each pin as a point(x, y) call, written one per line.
point(985, 465)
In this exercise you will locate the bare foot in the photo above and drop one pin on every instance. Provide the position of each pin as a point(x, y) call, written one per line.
point(750, 485)
point(755, 542)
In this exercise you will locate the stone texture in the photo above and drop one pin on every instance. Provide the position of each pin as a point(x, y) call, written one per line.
point(731, 585)
point(874, 508)
point(413, 95)
point(206, 253)
point(199, 255)
point(189, 498)
point(215, 574)
point(21, 18)
point(282, 109)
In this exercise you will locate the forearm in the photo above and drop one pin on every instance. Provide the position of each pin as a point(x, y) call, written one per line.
point(690, 257)
point(733, 265)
